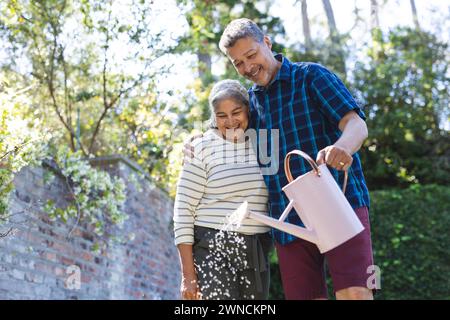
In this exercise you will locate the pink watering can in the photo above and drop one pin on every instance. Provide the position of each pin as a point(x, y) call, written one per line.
point(328, 217)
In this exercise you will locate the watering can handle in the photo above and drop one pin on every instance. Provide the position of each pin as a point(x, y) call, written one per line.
point(313, 164)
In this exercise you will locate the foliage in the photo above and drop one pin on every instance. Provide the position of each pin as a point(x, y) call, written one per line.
point(21, 144)
point(323, 52)
point(151, 135)
point(404, 86)
point(411, 241)
point(82, 78)
point(276, 287)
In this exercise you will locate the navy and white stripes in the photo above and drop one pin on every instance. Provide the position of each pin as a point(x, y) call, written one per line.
point(214, 184)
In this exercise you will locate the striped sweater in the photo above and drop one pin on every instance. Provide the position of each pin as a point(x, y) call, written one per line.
point(222, 175)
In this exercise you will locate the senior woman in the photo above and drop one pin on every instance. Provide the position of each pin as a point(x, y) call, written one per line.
point(219, 262)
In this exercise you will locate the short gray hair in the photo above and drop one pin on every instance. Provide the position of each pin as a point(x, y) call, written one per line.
point(239, 29)
point(223, 90)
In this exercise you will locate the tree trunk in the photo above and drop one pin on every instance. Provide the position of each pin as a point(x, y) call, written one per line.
point(414, 13)
point(204, 65)
point(306, 28)
point(336, 54)
point(375, 30)
point(331, 21)
point(374, 17)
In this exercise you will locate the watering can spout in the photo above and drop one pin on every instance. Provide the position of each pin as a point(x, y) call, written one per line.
point(309, 235)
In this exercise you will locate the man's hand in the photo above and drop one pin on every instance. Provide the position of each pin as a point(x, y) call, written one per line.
point(188, 149)
point(335, 157)
point(190, 289)
point(339, 155)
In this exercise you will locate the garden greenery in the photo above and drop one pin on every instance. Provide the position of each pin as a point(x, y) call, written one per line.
point(21, 144)
point(97, 198)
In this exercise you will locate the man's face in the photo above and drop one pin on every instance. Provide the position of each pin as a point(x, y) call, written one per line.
point(254, 60)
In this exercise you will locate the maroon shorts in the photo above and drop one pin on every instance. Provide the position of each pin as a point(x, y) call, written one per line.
point(302, 266)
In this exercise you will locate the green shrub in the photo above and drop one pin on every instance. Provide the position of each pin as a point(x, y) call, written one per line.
point(410, 233)
point(276, 288)
point(411, 243)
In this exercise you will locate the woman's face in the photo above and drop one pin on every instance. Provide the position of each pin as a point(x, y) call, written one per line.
point(231, 119)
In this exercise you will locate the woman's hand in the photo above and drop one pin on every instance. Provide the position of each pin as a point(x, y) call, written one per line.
point(189, 288)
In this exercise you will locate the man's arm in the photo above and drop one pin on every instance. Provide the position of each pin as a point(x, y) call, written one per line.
point(354, 132)
point(339, 155)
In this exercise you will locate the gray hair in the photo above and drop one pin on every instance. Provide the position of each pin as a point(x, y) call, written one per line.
point(223, 90)
point(238, 29)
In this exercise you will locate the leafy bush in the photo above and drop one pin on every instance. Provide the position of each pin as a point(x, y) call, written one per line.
point(276, 287)
point(410, 233)
point(95, 196)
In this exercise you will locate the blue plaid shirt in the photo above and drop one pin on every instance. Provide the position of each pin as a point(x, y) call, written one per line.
point(305, 102)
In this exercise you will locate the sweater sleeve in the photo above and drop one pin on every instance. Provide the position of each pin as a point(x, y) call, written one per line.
point(190, 190)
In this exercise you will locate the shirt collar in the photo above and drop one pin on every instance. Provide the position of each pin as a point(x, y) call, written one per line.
point(284, 73)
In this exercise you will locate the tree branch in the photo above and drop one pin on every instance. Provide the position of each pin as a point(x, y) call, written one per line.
point(77, 205)
point(110, 105)
point(17, 148)
point(51, 73)
point(4, 235)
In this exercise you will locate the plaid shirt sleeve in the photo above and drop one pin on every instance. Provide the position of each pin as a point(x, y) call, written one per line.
point(331, 95)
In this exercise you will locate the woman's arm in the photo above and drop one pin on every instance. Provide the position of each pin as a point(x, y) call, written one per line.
point(190, 190)
point(189, 282)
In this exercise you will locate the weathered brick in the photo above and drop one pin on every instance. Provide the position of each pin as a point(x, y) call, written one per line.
point(42, 292)
point(59, 272)
point(66, 261)
point(34, 277)
point(49, 256)
point(27, 263)
point(50, 281)
point(17, 274)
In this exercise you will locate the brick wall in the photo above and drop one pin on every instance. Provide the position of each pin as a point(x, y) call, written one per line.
point(39, 260)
